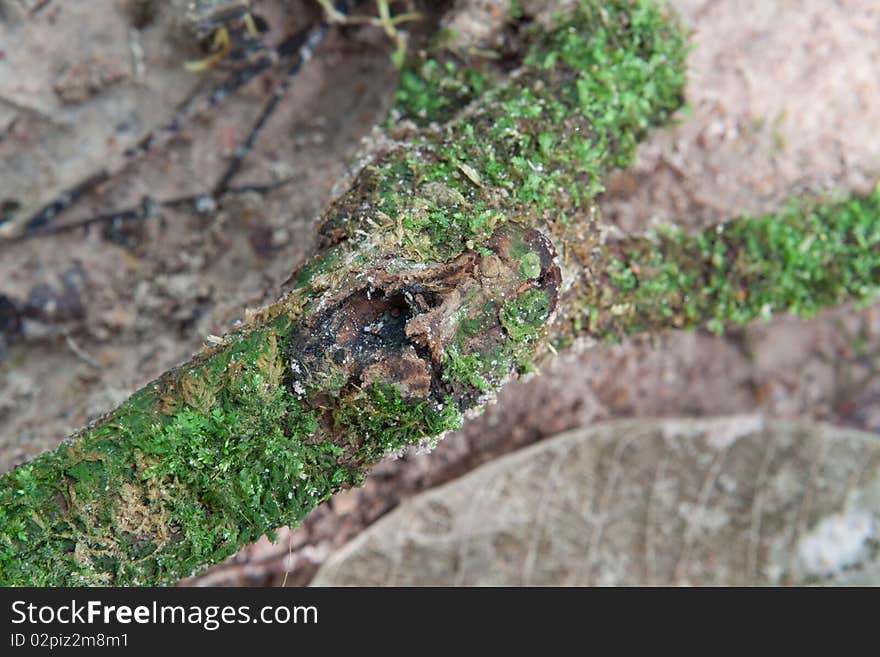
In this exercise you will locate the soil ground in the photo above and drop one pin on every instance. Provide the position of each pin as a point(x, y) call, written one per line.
point(784, 98)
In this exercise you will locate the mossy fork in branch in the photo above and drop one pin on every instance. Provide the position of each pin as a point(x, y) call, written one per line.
point(394, 330)
point(812, 254)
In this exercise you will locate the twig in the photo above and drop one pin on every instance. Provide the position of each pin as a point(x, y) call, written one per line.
point(384, 20)
point(79, 352)
point(198, 203)
point(300, 46)
point(160, 136)
point(39, 6)
point(35, 111)
point(304, 43)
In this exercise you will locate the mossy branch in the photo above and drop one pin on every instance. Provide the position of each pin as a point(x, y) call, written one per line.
point(459, 253)
point(812, 254)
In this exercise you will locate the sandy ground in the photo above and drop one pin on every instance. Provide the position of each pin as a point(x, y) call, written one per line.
point(784, 97)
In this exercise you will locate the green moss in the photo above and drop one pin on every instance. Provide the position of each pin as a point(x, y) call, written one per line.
point(240, 468)
point(208, 458)
point(319, 266)
point(467, 369)
point(524, 317)
point(433, 90)
point(440, 229)
point(529, 261)
point(542, 144)
point(380, 421)
point(155, 502)
point(809, 256)
point(530, 266)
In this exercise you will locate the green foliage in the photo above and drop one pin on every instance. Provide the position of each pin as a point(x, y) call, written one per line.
point(529, 260)
point(153, 502)
point(530, 266)
point(319, 267)
point(438, 230)
point(235, 470)
point(630, 64)
point(191, 468)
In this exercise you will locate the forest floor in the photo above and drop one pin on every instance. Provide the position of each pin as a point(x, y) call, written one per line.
point(784, 99)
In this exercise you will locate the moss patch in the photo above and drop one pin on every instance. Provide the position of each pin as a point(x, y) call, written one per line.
point(379, 421)
point(467, 369)
point(218, 452)
point(524, 317)
point(810, 255)
point(434, 89)
point(153, 497)
point(537, 147)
